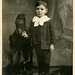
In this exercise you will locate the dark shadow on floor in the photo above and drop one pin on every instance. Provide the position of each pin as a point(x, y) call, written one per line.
point(20, 69)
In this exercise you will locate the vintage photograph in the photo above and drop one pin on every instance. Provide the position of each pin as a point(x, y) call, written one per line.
point(37, 37)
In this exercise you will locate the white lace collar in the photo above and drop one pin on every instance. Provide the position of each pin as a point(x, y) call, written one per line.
point(40, 21)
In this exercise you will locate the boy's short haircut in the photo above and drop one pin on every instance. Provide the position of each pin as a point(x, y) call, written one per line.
point(41, 3)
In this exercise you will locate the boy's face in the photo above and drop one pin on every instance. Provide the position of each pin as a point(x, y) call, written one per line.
point(41, 10)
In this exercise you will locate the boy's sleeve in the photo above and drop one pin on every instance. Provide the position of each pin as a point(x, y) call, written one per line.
point(51, 33)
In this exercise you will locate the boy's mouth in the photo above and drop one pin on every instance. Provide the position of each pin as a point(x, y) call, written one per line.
point(39, 14)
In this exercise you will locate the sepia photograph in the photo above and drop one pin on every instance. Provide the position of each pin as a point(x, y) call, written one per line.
point(37, 37)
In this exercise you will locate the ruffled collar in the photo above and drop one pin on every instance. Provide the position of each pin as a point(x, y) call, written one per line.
point(40, 21)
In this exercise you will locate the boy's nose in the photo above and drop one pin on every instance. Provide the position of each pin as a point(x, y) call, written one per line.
point(39, 10)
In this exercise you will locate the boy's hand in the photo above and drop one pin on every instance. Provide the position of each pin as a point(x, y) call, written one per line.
point(51, 47)
point(24, 34)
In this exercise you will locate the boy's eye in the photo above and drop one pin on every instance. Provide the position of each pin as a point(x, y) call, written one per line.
point(42, 9)
point(39, 9)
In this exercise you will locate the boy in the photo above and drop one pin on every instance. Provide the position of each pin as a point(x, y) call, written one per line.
point(41, 32)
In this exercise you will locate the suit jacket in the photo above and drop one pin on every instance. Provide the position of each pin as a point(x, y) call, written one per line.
point(46, 34)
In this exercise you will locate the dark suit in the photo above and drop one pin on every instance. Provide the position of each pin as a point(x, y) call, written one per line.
point(42, 37)
point(42, 34)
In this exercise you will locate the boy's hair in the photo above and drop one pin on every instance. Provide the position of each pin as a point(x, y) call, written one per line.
point(41, 3)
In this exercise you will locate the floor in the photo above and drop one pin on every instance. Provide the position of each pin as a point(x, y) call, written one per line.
point(21, 70)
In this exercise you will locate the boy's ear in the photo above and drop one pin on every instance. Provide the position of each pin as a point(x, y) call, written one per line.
point(46, 10)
